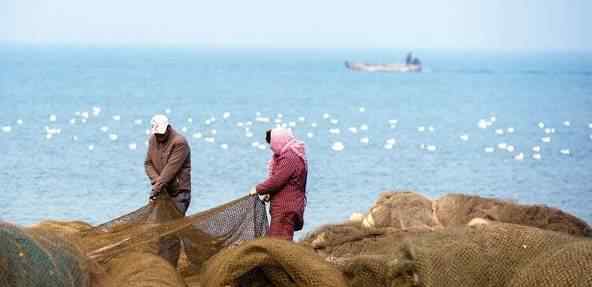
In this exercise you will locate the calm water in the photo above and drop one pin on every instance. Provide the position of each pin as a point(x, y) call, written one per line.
point(90, 170)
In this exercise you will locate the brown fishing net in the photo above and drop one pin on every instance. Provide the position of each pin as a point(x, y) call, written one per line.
point(406, 239)
point(75, 254)
point(459, 209)
point(270, 262)
point(499, 254)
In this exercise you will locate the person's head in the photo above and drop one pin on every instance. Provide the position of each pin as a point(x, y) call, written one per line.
point(160, 127)
point(278, 138)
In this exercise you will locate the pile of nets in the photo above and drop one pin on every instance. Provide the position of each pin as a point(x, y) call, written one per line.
point(405, 239)
point(126, 251)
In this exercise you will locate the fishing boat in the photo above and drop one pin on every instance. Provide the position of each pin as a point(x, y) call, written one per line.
point(411, 64)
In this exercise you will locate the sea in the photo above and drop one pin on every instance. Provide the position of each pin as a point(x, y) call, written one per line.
point(514, 125)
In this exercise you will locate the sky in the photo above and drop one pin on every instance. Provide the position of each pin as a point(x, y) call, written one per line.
point(421, 24)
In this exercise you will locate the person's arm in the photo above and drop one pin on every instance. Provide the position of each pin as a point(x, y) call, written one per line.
point(149, 168)
point(280, 177)
point(178, 156)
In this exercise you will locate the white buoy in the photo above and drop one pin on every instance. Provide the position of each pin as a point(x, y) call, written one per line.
point(116, 117)
point(147, 132)
point(91, 147)
point(213, 131)
point(519, 156)
point(49, 136)
point(326, 116)
point(96, 111)
point(431, 129)
point(502, 145)
point(240, 124)
point(210, 139)
point(52, 118)
point(483, 124)
point(510, 130)
point(255, 144)
point(167, 111)
point(279, 116)
point(590, 125)
point(301, 119)
point(85, 115)
point(499, 132)
point(19, 122)
point(353, 130)
point(224, 146)
point(362, 109)
point(536, 156)
point(262, 119)
point(334, 121)
point(309, 135)
point(489, 149)
point(510, 148)
point(249, 134)
point(431, 148)
point(541, 125)
point(337, 146)
point(388, 146)
point(565, 151)
point(83, 120)
point(72, 121)
point(225, 116)
point(314, 125)
point(75, 138)
point(364, 127)
point(464, 137)
point(391, 141)
point(334, 131)
point(492, 119)
point(365, 140)
point(262, 146)
point(536, 148)
point(547, 131)
point(546, 139)
point(104, 129)
point(132, 146)
point(6, 129)
point(113, 137)
point(208, 122)
point(567, 123)
point(421, 129)
point(184, 129)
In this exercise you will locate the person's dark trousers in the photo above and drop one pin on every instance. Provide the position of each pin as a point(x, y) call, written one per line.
point(170, 247)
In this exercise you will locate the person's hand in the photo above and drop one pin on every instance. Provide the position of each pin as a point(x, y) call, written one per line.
point(253, 191)
point(153, 194)
point(155, 180)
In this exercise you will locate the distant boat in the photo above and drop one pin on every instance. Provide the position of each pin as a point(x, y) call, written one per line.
point(411, 65)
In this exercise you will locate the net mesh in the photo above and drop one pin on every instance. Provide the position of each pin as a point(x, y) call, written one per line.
point(406, 239)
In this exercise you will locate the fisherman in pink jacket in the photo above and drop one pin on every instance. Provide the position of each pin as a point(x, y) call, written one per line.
point(286, 183)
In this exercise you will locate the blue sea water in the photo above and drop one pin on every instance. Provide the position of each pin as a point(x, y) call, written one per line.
point(90, 170)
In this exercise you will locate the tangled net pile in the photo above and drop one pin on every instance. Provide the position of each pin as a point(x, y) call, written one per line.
point(406, 239)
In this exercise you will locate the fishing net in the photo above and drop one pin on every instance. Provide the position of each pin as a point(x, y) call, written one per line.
point(499, 254)
point(270, 262)
point(75, 254)
point(405, 239)
point(459, 209)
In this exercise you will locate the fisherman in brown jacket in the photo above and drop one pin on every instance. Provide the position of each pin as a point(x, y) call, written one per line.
point(168, 166)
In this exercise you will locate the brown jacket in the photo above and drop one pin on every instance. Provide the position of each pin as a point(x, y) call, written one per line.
point(170, 161)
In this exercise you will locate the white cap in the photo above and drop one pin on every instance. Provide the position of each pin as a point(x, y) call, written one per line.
point(159, 124)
